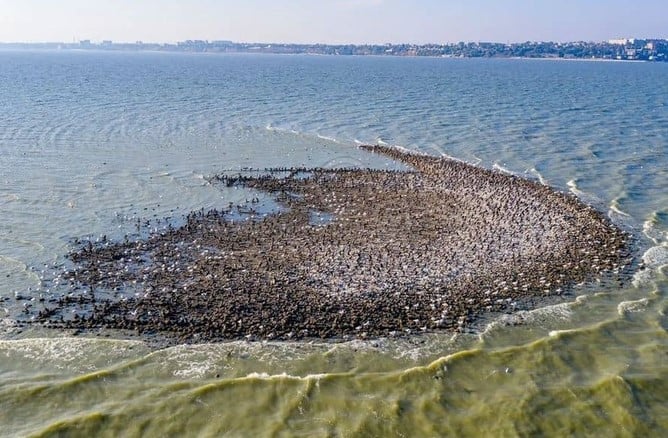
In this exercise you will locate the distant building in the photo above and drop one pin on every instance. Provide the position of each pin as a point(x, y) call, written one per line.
point(622, 41)
point(623, 48)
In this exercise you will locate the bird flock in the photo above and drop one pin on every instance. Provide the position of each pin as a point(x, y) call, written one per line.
point(354, 253)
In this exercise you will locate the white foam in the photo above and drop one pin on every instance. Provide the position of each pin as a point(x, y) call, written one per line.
point(500, 168)
point(650, 230)
point(72, 354)
point(414, 152)
point(541, 316)
point(554, 333)
point(540, 177)
point(655, 258)
point(450, 157)
point(477, 159)
point(6, 324)
point(618, 216)
point(193, 370)
point(273, 128)
point(202, 361)
point(614, 209)
point(193, 361)
point(408, 151)
point(258, 376)
point(642, 277)
point(573, 187)
point(632, 306)
point(283, 376)
point(324, 137)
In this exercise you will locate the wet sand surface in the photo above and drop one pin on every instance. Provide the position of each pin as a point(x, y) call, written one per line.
point(356, 253)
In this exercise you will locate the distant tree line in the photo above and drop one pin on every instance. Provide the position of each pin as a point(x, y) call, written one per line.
point(627, 49)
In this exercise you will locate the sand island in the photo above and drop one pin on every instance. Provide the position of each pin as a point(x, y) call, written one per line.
point(354, 253)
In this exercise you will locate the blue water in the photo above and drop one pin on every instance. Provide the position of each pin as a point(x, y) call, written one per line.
point(92, 141)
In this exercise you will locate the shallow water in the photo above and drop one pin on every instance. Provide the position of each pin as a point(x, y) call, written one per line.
point(90, 142)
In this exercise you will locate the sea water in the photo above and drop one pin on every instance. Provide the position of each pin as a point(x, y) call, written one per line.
point(93, 142)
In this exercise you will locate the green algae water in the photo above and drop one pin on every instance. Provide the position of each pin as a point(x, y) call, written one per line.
point(95, 141)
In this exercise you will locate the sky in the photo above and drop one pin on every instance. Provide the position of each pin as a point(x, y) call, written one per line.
point(331, 21)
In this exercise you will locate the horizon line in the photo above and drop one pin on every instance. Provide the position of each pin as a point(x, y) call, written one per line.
point(91, 41)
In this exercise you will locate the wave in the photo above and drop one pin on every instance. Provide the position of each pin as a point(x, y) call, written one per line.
point(542, 316)
point(313, 135)
point(22, 242)
point(7, 260)
point(632, 306)
point(583, 196)
point(450, 157)
point(71, 354)
point(273, 128)
point(477, 159)
point(409, 151)
point(542, 180)
point(573, 187)
point(324, 137)
point(557, 333)
point(654, 259)
point(502, 169)
point(615, 209)
point(650, 229)
point(286, 376)
point(656, 256)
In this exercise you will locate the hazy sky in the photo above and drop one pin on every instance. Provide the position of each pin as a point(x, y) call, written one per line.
point(332, 21)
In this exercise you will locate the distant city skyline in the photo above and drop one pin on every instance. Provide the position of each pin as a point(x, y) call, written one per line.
point(330, 21)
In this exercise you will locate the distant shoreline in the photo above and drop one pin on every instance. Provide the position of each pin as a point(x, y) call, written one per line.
point(173, 52)
point(651, 50)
